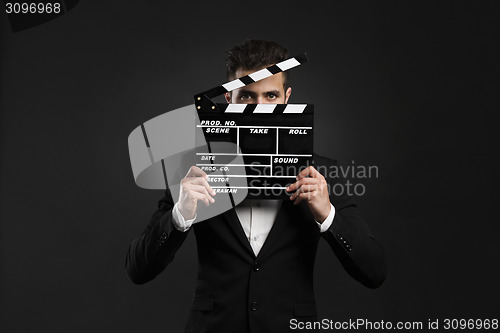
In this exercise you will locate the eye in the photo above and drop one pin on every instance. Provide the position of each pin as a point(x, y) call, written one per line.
point(245, 97)
point(272, 96)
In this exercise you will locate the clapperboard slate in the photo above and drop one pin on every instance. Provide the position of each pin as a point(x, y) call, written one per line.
point(274, 141)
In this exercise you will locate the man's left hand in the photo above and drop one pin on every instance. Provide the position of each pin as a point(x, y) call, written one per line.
point(312, 187)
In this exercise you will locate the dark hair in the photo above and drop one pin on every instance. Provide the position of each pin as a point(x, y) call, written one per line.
point(255, 54)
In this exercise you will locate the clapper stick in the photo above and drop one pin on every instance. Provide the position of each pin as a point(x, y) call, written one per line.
point(253, 77)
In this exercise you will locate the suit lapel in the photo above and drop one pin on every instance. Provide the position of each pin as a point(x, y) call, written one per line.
point(282, 220)
point(234, 223)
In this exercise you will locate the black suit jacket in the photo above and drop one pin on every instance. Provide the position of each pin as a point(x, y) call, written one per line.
point(237, 291)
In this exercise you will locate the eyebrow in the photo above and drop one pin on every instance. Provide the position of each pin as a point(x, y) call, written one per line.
point(246, 92)
point(253, 94)
point(274, 92)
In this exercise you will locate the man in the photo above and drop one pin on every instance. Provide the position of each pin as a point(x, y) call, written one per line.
point(256, 261)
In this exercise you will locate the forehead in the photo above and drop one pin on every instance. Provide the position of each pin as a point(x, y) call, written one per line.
point(271, 83)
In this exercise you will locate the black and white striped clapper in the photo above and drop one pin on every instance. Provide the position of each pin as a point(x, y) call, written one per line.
point(271, 143)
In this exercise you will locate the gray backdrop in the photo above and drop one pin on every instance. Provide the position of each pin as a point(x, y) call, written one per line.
point(405, 86)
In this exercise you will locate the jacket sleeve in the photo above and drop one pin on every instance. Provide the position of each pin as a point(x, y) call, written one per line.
point(361, 255)
point(155, 248)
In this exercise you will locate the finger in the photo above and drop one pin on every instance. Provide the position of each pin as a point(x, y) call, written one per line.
point(302, 196)
point(304, 173)
point(309, 171)
point(301, 182)
point(194, 171)
point(203, 190)
point(304, 189)
point(201, 197)
point(200, 181)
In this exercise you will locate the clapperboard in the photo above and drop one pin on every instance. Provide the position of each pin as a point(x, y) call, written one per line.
point(271, 143)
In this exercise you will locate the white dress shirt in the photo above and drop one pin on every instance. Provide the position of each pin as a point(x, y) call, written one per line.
point(256, 217)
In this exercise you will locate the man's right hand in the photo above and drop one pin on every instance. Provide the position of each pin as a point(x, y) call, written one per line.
point(194, 188)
